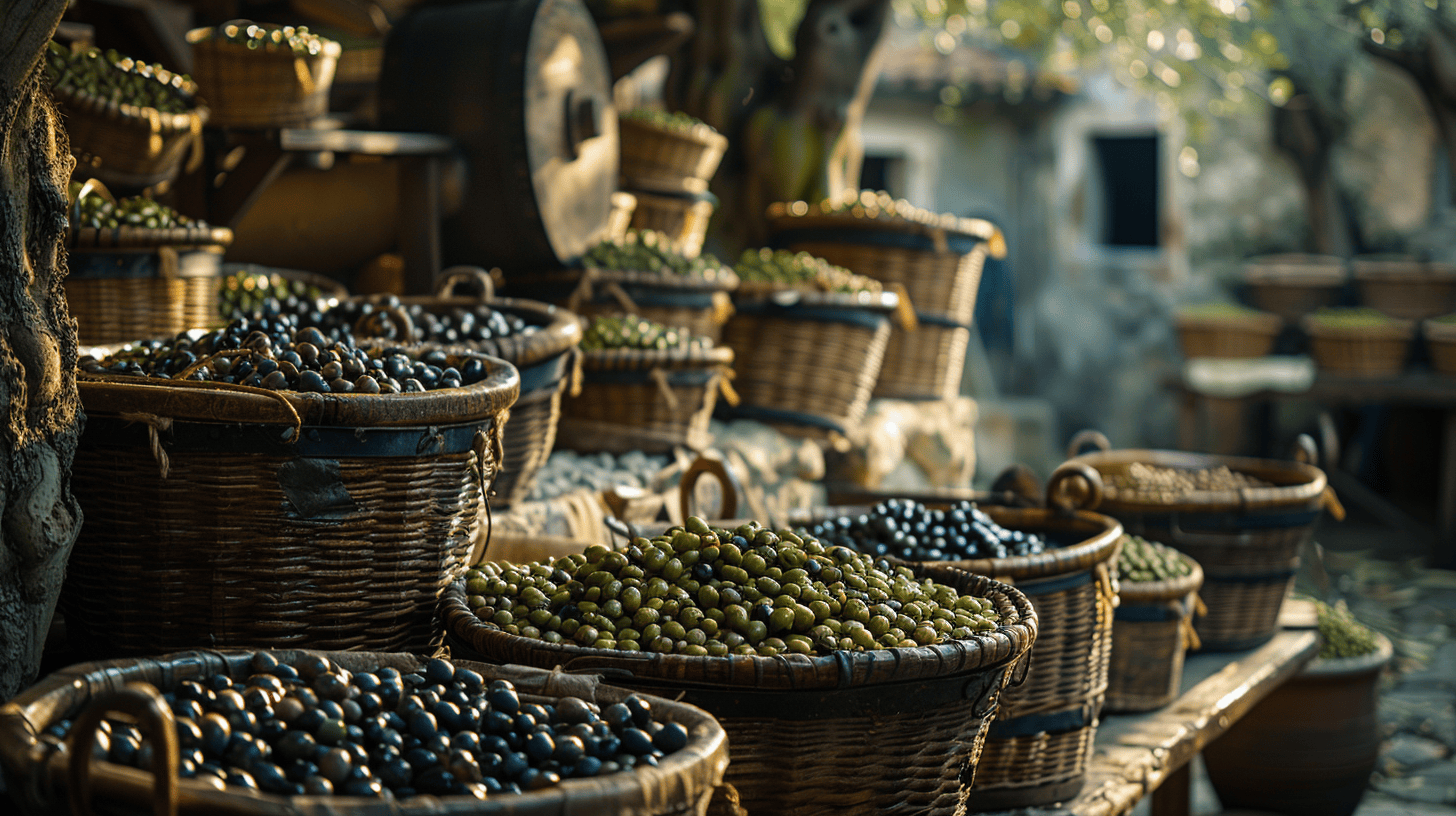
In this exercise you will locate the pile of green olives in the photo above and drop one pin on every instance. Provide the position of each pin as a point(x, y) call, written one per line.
point(801, 269)
point(700, 590)
point(115, 78)
point(135, 211)
point(297, 39)
point(314, 728)
point(1142, 560)
point(650, 251)
point(633, 332)
point(672, 121)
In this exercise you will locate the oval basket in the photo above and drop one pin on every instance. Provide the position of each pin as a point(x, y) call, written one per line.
point(668, 160)
point(1151, 630)
point(648, 400)
point(1247, 541)
point(864, 732)
point(1292, 285)
point(1240, 336)
point(1036, 750)
point(223, 515)
point(261, 88)
point(700, 305)
point(41, 780)
point(127, 145)
point(1360, 351)
point(816, 357)
point(1405, 287)
point(924, 364)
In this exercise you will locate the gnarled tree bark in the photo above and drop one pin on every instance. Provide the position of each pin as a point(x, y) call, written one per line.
point(41, 419)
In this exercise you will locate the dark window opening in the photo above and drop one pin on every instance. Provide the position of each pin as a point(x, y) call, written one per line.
point(1129, 167)
point(883, 173)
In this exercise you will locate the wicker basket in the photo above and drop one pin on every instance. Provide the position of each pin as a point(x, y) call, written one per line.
point(1292, 285)
point(133, 283)
point(261, 88)
point(1361, 351)
point(815, 356)
point(647, 400)
point(924, 364)
point(222, 515)
point(666, 160)
point(1240, 336)
point(130, 146)
point(854, 732)
point(1404, 287)
point(1151, 629)
point(700, 305)
point(680, 785)
point(1441, 342)
point(327, 287)
point(683, 218)
point(1247, 541)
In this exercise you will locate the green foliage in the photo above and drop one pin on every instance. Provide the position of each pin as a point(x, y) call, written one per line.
point(1340, 634)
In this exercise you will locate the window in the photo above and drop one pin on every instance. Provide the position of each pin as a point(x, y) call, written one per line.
point(882, 172)
point(1129, 176)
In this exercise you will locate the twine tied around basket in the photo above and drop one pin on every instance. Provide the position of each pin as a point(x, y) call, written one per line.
point(304, 76)
point(156, 425)
point(660, 377)
point(904, 309)
point(1191, 641)
point(574, 374)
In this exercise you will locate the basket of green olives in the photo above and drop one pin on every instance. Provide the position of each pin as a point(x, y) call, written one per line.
point(138, 268)
point(1153, 625)
point(644, 274)
point(669, 152)
point(808, 654)
point(128, 122)
point(270, 484)
point(683, 217)
point(316, 733)
point(260, 75)
point(645, 386)
point(250, 288)
point(1063, 559)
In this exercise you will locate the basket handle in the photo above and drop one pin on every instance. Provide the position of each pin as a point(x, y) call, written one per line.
point(708, 464)
point(90, 186)
point(154, 717)
point(1088, 438)
point(477, 282)
point(1059, 494)
point(391, 322)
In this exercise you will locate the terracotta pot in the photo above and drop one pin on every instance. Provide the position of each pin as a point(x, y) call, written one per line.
point(1308, 748)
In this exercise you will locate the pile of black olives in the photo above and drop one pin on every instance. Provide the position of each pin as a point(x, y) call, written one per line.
point(279, 355)
point(905, 528)
point(315, 728)
point(458, 324)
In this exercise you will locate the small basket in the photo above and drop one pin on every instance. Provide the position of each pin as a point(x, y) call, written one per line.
point(1246, 541)
point(1405, 287)
point(1360, 351)
point(668, 160)
point(228, 516)
point(816, 357)
point(682, 784)
point(648, 400)
point(699, 305)
point(924, 364)
point(1241, 336)
point(1151, 630)
point(129, 146)
point(1292, 285)
point(1441, 341)
point(889, 730)
point(261, 88)
point(683, 218)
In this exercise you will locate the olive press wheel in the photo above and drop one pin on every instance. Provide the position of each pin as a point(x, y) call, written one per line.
point(524, 87)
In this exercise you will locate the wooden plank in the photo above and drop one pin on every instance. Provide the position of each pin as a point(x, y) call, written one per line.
point(367, 142)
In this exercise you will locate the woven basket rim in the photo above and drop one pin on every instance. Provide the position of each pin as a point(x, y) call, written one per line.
point(1295, 267)
point(628, 359)
point(702, 133)
point(702, 762)
point(1297, 484)
point(1266, 322)
point(980, 652)
point(782, 220)
point(139, 115)
point(219, 402)
point(726, 280)
point(201, 37)
point(759, 291)
point(558, 329)
point(1170, 589)
point(131, 237)
point(1396, 329)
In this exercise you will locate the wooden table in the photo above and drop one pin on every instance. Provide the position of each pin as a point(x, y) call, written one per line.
point(1138, 755)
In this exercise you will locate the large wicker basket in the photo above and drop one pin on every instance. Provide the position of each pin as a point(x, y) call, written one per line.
point(682, 217)
point(1247, 541)
point(1234, 335)
point(1151, 630)
point(700, 305)
point(1292, 285)
point(261, 88)
point(815, 357)
point(669, 160)
point(1360, 351)
point(229, 516)
point(1405, 287)
point(42, 780)
point(888, 730)
point(647, 400)
point(924, 364)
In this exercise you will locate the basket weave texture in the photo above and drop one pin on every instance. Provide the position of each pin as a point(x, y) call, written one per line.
point(127, 145)
point(1362, 351)
point(681, 785)
point(230, 516)
point(699, 305)
point(1246, 541)
point(1406, 288)
point(1292, 285)
point(1234, 336)
point(133, 283)
point(648, 400)
point(1441, 341)
point(261, 88)
point(1151, 630)
point(924, 364)
point(665, 159)
point(855, 732)
point(684, 219)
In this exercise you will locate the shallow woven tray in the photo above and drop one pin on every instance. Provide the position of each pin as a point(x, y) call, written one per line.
point(234, 516)
point(1361, 351)
point(681, 784)
point(1233, 336)
point(799, 726)
point(1151, 630)
point(258, 88)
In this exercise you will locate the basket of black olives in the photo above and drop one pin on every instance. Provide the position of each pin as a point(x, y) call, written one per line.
point(359, 733)
point(129, 122)
point(1064, 560)
point(265, 484)
point(261, 75)
point(645, 386)
point(808, 654)
point(138, 268)
point(1153, 626)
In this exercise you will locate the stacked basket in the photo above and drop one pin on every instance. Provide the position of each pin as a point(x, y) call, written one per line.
point(643, 274)
point(667, 161)
point(267, 85)
point(1403, 286)
point(1292, 285)
point(935, 260)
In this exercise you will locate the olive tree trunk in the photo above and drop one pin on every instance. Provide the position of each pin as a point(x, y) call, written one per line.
point(42, 419)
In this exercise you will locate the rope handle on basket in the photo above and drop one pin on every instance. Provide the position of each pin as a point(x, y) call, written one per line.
point(194, 141)
point(292, 417)
point(729, 485)
point(1307, 452)
point(1191, 641)
point(904, 309)
point(156, 425)
point(575, 376)
point(1059, 496)
point(664, 387)
point(143, 702)
point(725, 387)
point(481, 285)
point(1088, 439)
point(723, 310)
point(582, 291)
point(304, 75)
point(620, 295)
